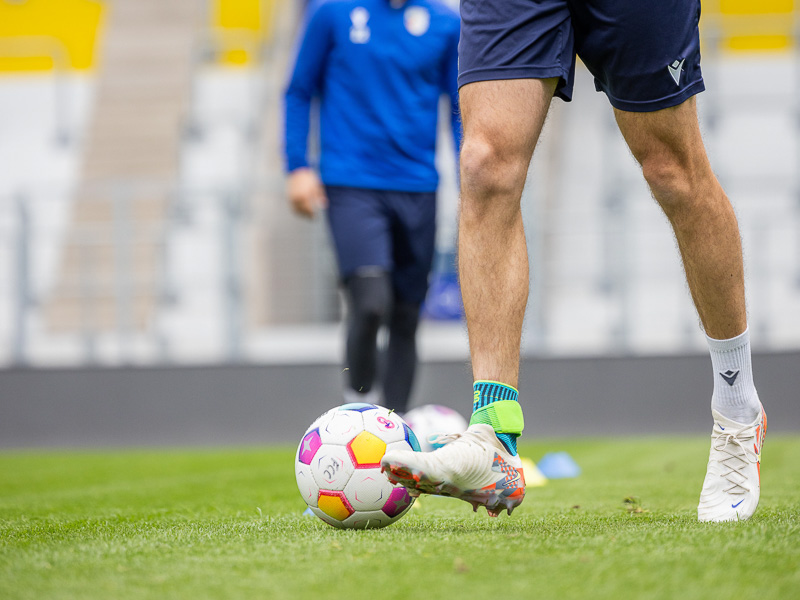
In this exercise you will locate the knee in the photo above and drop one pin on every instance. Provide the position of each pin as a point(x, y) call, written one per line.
point(491, 174)
point(370, 298)
point(671, 181)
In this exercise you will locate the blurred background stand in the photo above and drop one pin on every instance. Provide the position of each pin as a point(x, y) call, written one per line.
point(150, 265)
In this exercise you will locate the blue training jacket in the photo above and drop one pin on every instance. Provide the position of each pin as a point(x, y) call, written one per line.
point(379, 72)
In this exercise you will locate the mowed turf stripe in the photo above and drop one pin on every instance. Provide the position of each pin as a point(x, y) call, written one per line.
point(227, 524)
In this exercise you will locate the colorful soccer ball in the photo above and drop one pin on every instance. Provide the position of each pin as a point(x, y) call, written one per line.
point(431, 420)
point(338, 466)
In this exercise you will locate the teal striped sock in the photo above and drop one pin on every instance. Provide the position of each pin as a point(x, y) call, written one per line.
point(497, 404)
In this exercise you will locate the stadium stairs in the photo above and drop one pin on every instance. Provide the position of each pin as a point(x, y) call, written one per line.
point(133, 137)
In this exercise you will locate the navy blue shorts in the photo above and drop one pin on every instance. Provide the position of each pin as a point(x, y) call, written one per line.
point(395, 231)
point(644, 54)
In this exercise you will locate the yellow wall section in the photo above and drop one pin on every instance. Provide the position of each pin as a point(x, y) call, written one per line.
point(242, 14)
point(245, 24)
point(34, 32)
point(750, 25)
point(750, 43)
point(756, 7)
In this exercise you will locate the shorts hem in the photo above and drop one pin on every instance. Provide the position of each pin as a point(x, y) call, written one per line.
point(504, 73)
point(658, 104)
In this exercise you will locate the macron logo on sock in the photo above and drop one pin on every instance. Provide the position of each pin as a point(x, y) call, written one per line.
point(729, 376)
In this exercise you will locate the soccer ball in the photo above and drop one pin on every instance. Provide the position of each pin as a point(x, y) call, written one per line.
point(430, 420)
point(338, 466)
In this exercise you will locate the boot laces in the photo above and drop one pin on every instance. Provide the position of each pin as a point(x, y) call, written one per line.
point(736, 445)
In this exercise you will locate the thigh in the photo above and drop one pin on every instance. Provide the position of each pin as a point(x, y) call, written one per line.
point(413, 241)
point(360, 228)
point(516, 39)
point(669, 136)
point(644, 54)
point(505, 118)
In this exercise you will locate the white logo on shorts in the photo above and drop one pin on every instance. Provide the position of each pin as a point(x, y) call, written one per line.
point(359, 32)
point(675, 70)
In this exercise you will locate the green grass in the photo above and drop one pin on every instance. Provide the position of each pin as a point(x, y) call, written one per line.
point(227, 524)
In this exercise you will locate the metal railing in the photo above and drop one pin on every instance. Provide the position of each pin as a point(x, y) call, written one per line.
point(230, 267)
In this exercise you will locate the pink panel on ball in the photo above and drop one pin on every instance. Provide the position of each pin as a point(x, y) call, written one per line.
point(398, 501)
point(309, 446)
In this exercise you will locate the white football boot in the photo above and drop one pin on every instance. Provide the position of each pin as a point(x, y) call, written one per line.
point(473, 466)
point(733, 480)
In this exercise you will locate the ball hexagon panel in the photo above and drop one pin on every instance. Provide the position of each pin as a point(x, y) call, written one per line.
point(334, 504)
point(385, 424)
point(308, 447)
point(401, 445)
point(341, 427)
point(367, 520)
point(306, 484)
point(331, 467)
point(366, 450)
point(368, 489)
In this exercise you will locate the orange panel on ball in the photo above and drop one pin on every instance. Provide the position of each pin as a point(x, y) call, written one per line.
point(335, 505)
point(366, 450)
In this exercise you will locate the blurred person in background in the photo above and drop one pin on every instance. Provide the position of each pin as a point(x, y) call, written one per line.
point(515, 56)
point(379, 69)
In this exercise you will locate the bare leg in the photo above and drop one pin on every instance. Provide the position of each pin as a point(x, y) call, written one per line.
point(502, 122)
point(668, 145)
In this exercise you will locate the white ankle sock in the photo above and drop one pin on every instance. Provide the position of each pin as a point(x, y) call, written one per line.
point(734, 395)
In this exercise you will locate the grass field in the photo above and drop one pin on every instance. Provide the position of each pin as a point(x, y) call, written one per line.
point(227, 524)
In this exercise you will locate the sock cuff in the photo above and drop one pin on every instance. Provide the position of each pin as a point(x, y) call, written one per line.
point(731, 344)
point(505, 416)
point(485, 392)
point(734, 394)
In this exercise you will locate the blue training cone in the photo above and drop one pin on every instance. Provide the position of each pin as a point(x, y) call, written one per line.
point(558, 465)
